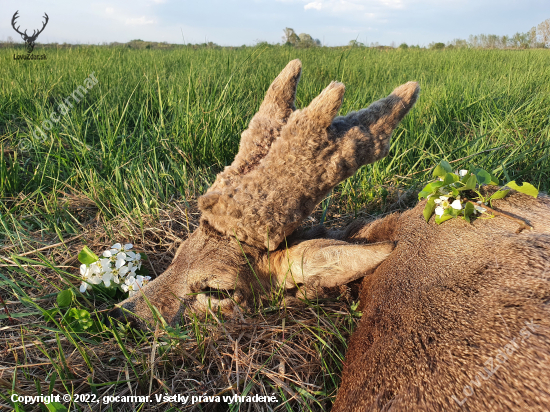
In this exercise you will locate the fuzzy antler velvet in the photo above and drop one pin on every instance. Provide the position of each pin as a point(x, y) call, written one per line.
point(289, 160)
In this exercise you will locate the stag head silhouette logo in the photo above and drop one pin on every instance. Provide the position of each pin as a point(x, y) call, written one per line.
point(29, 39)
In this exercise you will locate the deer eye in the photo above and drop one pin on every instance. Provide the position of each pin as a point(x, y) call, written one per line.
point(217, 293)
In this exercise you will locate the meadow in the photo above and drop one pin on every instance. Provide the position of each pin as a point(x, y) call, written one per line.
point(127, 162)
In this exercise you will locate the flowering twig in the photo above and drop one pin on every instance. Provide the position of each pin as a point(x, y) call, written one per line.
point(446, 195)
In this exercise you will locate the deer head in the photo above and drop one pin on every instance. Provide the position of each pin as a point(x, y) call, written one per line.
point(30, 40)
point(288, 161)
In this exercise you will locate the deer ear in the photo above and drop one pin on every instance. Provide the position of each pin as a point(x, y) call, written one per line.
point(328, 263)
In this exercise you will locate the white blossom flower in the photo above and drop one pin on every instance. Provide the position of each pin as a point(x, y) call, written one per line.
point(130, 285)
point(142, 280)
point(132, 267)
point(85, 274)
point(116, 268)
point(462, 172)
point(131, 256)
point(103, 264)
point(84, 271)
point(442, 201)
point(89, 277)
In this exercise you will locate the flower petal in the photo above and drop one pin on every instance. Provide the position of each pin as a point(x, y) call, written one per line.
point(119, 263)
point(462, 172)
point(128, 246)
point(117, 246)
point(456, 204)
point(83, 287)
point(107, 254)
point(105, 264)
point(439, 210)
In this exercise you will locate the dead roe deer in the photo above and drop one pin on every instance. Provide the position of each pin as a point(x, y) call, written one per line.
point(454, 316)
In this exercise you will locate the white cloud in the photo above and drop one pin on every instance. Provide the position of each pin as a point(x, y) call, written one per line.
point(317, 5)
point(139, 21)
point(393, 4)
point(109, 10)
point(357, 5)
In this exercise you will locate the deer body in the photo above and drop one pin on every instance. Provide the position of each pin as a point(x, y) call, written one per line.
point(456, 317)
point(440, 303)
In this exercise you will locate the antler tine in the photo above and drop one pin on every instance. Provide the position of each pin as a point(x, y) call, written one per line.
point(265, 127)
point(43, 24)
point(13, 21)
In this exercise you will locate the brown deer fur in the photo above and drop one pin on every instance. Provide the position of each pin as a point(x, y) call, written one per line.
point(448, 302)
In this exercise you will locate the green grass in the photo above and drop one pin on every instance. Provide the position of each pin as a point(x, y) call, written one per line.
point(150, 137)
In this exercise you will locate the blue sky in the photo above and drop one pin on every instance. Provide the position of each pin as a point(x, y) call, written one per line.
point(237, 22)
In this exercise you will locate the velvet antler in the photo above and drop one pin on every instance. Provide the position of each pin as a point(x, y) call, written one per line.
point(289, 160)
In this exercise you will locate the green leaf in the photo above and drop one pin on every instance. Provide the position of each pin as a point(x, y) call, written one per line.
point(143, 271)
point(87, 257)
point(442, 218)
point(453, 212)
point(441, 169)
point(429, 209)
point(470, 183)
point(450, 178)
point(454, 191)
point(448, 168)
point(526, 188)
point(49, 314)
point(499, 194)
point(468, 211)
point(449, 213)
point(483, 177)
point(429, 189)
point(65, 298)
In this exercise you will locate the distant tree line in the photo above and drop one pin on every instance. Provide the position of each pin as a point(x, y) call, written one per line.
point(537, 37)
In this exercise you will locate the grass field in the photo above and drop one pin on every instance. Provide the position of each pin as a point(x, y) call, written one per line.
point(127, 162)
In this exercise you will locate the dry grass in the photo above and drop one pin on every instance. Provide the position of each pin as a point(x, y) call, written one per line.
point(291, 348)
